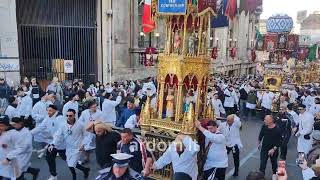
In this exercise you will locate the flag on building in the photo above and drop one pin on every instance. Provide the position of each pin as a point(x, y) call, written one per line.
point(220, 20)
point(231, 9)
point(313, 52)
point(258, 35)
point(148, 24)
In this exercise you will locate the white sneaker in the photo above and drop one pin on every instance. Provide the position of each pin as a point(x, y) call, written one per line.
point(274, 177)
point(53, 178)
point(41, 155)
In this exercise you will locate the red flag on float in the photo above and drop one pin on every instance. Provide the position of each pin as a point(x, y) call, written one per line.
point(231, 9)
point(148, 24)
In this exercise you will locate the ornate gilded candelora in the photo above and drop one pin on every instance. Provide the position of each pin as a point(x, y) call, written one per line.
point(183, 72)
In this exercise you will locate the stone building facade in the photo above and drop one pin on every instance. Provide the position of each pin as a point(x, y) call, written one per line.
point(311, 26)
point(120, 43)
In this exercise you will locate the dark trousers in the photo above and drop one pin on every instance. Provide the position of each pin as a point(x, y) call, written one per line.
point(220, 173)
point(283, 151)
point(230, 110)
point(81, 168)
point(51, 159)
point(236, 156)
point(264, 159)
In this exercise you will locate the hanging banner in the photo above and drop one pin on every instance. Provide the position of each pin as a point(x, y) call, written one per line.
point(205, 6)
point(172, 6)
point(68, 66)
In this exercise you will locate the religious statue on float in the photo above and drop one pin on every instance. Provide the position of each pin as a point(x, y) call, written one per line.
point(170, 104)
point(191, 41)
point(177, 42)
point(190, 98)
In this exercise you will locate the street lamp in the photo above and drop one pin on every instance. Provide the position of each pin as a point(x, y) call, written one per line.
point(157, 38)
point(142, 38)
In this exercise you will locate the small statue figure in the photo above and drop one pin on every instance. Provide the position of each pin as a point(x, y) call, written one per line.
point(177, 42)
point(170, 102)
point(187, 100)
point(191, 44)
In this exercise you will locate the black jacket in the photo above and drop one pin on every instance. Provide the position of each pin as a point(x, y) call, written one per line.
point(105, 146)
point(285, 127)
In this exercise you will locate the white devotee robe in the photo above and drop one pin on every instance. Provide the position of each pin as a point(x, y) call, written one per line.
point(7, 145)
point(11, 112)
point(132, 122)
point(39, 113)
point(308, 101)
point(308, 174)
point(315, 108)
point(85, 118)
point(229, 99)
point(295, 116)
point(24, 107)
point(306, 122)
point(109, 109)
point(266, 100)
point(186, 162)
point(232, 133)
point(218, 107)
point(22, 149)
point(71, 105)
point(48, 127)
point(73, 137)
point(293, 95)
point(217, 156)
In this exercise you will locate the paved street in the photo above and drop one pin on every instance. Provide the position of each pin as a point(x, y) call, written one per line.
point(249, 158)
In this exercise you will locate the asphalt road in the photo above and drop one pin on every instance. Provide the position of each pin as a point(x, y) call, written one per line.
point(249, 158)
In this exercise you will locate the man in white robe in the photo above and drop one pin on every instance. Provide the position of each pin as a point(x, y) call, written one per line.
point(217, 106)
point(133, 121)
point(72, 134)
point(11, 110)
point(24, 107)
point(315, 107)
point(109, 108)
point(231, 130)
point(22, 152)
point(216, 152)
point(306, 122)
point(90, 115)
point(183, 156)
point(7, 138)
point(49, 127)
point(72, 104)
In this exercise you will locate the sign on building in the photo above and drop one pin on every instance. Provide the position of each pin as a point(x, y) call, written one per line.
point(68, 66)
point(172, 6)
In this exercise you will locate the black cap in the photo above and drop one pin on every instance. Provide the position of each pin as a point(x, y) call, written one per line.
point(5, 120)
